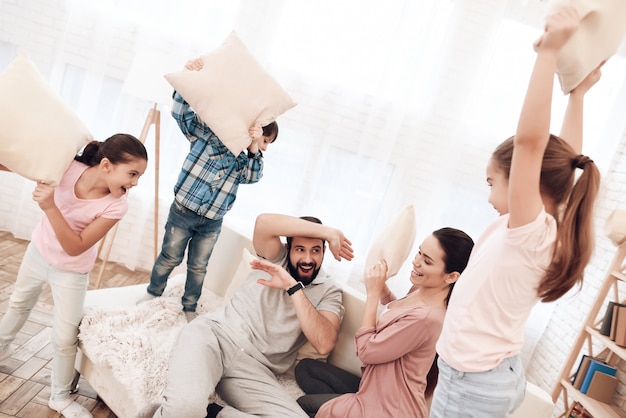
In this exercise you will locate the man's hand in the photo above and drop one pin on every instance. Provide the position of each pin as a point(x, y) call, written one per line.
point(340, 246)
point(44, 196)
point(281, 279)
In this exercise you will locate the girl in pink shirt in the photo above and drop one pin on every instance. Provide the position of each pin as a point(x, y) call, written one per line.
point(87, 203)
point(536, 250)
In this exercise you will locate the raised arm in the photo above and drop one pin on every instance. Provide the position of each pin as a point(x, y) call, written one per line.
point(533, 129)
point(572, 129)
point(270, 227)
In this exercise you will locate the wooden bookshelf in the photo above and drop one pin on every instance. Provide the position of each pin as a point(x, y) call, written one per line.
point(591, 338)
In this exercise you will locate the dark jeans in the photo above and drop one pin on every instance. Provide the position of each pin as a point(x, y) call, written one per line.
point(322, 382)
point(185, 230)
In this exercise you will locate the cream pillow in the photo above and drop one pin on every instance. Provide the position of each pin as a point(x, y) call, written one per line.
point(240, 276)
point(395, 242)
point(231, 93)
point(40, 134)
point(598, 37)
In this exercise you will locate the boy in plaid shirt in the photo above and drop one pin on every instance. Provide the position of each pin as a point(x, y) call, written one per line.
point(205, 190)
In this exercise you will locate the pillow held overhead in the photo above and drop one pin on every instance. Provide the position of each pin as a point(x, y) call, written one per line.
point(394, 243)
point(40, 134)
point(231, 93)
point(599, 35)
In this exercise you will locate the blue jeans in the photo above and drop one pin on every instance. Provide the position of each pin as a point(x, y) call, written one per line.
point(494, 393)
point(185, 227)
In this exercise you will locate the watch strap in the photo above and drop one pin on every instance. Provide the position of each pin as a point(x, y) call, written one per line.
point(293, 289)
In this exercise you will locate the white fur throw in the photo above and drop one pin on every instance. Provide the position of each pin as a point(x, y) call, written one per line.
point(136, 342)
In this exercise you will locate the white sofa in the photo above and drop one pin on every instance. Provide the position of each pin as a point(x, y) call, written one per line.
point(111, 314)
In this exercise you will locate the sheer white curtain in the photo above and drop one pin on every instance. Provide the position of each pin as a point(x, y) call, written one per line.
point(399, 102)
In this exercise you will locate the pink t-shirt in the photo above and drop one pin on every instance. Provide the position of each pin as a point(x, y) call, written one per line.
point(78, 213)
point(493, 298)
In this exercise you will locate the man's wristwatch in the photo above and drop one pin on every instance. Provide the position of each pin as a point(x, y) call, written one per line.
point(295, 288)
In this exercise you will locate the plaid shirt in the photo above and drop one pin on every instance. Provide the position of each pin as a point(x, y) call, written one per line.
point(211, 174)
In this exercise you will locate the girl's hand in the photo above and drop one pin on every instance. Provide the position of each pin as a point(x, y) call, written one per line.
point(281, 279)
point(194, 64)
point(375, 278)
point(589, 81)
point(44, 195)
point(559, 28)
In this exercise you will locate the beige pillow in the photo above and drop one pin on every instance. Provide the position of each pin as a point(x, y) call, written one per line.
point(40, 134)
point(395, 242)
point(231, 93)
point(242, 273)
point(600, 34)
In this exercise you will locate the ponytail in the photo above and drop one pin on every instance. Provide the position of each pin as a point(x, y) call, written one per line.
point(575, 235)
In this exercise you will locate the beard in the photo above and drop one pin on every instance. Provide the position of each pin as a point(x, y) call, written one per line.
point(295, 272)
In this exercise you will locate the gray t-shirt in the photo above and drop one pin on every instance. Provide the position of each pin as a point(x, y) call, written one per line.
point(262, 320)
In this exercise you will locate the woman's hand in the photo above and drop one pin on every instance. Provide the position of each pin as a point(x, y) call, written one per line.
point(195, 64)
point(375, 278)
point(44, 196)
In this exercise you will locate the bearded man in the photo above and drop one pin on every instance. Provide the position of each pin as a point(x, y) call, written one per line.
point(238, 350)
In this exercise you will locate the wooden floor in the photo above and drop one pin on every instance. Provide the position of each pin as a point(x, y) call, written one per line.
point(25, 377)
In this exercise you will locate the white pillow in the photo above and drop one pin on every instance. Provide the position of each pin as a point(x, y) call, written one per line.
point(231, 93)
point(394, 243)
point(598, 37)
point(242, 273)
point(40, 134)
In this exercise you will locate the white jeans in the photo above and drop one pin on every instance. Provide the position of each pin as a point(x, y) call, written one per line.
point(68, 294)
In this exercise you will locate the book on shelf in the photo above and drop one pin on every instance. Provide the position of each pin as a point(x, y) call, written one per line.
point(602, 387)
point(596, 366)
point(607, 322)
point(580, 374)
point(620, 328)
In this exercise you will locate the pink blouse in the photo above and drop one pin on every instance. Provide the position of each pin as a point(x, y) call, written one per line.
point(396, 357)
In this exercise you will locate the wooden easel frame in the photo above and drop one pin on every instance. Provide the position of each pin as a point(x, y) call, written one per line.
point(153, 118)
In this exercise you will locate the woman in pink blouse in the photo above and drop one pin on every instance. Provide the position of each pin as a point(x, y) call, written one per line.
point(397, 351)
